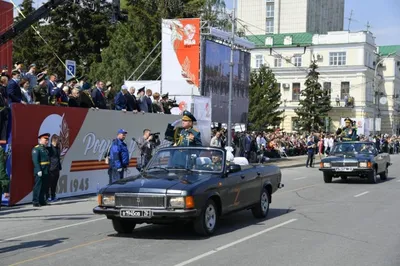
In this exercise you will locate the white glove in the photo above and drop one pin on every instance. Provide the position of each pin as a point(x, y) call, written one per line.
point(176, 123)
point(119, 170)
point(39, 173)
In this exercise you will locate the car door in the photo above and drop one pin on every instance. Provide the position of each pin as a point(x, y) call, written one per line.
point(232, 192)
point(250, 186)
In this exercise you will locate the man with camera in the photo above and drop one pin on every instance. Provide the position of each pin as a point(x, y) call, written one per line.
point(146, 145)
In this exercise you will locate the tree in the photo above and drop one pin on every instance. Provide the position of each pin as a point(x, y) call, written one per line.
point(265, 100)
point(314, 104)
point(27, 45)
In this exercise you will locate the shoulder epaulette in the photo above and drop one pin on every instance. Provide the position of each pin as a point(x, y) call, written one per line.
point(194, 129)
point(37, 146)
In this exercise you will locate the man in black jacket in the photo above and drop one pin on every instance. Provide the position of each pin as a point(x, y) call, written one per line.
point(13, 90)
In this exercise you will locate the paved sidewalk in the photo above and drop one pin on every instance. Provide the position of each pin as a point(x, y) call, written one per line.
point(295, 161)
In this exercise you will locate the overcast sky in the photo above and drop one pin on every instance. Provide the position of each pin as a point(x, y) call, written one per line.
point(383, 15)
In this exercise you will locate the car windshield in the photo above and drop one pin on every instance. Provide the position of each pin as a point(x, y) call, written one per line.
point(363, 148)
point(189, 159)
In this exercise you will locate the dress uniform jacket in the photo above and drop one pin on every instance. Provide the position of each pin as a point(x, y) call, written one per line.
point(185, 141)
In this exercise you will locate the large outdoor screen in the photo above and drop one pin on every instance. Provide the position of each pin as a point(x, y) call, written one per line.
point(215, 83)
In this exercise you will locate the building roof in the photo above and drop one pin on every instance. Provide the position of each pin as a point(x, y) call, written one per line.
point(388, 49)
point(278, 39)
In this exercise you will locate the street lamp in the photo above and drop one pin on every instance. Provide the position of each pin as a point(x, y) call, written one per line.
point(377, 91)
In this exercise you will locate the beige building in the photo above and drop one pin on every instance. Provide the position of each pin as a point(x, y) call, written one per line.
point(290, 16)
point(347, 63)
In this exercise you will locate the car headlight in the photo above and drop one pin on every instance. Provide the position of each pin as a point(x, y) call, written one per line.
point(177, 202)
point(327, 165)
point(108, 200)
point(363, 164)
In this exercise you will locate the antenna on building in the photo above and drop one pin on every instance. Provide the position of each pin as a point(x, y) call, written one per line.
point(368, 26)
point(350, 19)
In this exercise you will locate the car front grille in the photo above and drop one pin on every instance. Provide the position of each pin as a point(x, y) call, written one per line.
point(344, 164)
point(140, 200)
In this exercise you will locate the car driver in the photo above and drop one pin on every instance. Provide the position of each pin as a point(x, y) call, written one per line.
point(216, 164)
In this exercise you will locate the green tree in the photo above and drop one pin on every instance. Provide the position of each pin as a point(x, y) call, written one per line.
point(27, 45)
point(314, 104)
point(265, 99)
point(133, 40)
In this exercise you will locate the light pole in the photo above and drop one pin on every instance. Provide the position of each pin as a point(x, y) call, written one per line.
point(231, 64)
point(377, 91)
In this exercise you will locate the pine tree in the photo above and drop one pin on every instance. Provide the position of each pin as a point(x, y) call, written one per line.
point(265, 99)
point(314, 104)
point(27, 45)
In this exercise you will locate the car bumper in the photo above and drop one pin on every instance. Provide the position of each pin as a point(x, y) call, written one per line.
point(355, 172)
point(158, 215)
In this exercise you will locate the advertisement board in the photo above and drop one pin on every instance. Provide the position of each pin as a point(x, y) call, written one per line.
point(85, 136)
point(216, 82)
point(180, 65)
point(202, 112)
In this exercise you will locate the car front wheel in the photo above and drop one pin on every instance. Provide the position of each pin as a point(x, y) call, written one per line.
point(123, 226)
point(372, 177)
point(206, 223)
point(327, 178)
point(261, 209)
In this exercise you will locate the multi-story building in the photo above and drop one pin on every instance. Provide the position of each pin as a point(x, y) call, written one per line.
point(290, 16)
point(347, 62)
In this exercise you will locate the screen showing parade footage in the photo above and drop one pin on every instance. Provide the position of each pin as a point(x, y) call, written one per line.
point(216, 82)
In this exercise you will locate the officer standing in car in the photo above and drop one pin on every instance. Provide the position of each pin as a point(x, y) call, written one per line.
point(41, 164)
point(189, 137)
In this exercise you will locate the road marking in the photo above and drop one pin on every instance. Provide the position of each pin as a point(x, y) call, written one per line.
point(398, 181)
point(60, 251)
point(53, 229)
point(234, 243)
point(304, 177)
point(359, 195)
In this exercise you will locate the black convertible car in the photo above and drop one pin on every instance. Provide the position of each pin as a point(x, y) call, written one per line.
point(355, 158)
point(188, 184)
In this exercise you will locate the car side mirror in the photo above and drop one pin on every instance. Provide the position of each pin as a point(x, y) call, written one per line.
point(234, 168)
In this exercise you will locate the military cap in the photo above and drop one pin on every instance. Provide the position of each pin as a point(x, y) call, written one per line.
point(32, 65)
point(187, 116)
point(18, 63)
point(165, 95)
point(108, 84)
point(348, 120)
point(140, 90)
point(124, 87)
point(44, 135)
point(41, 77)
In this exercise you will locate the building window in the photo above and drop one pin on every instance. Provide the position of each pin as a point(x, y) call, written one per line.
point(295, 91)
point(344, 90)
point(297, 60)
point(327, 88)
point(270, 1)
point(259, 61)
point(337, 59)
point(278, 62)
point(270, 25)
point(270, 10)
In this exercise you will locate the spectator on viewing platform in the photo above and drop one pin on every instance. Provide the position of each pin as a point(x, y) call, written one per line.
point(31, 76)
point(98, 96)
point(131, 103)
point(26, 95)
point(13, 90)
point(142, 100)
point(157, 106)
point(110, 94)
point(149, 93)
point(41, 91)
point(51, 83)
point(120, 100)
point(3, 88)
point(20, 67)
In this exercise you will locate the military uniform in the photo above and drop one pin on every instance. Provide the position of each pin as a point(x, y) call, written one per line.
point(189, 137)
point(348, 133)
point(41, 92)
point(41, 165)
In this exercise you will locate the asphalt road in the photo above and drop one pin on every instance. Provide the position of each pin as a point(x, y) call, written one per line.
point(310, 223)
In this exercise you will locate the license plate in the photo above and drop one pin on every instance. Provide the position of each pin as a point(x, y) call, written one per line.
point(344, 169)
point(129, 213)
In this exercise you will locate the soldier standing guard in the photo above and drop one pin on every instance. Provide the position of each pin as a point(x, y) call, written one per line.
point(347, 133)
point(189, 137)
point(41, 164)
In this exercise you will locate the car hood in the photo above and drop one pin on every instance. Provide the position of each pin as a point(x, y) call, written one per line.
point(158, 182)
point(348, 157)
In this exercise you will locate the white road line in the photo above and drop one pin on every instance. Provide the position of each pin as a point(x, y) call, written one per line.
point(398, 181)
point(234, 243)
point(359, 195)
point(299, 178)
point(53, 229)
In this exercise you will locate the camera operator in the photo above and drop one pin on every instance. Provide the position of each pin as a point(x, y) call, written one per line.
point(146, 144)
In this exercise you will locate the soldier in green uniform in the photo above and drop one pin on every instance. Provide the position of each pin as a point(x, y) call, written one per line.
point(216, 164)
point(41, 164)
point(188, 137)
point(41, 91)
point(349, 132)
